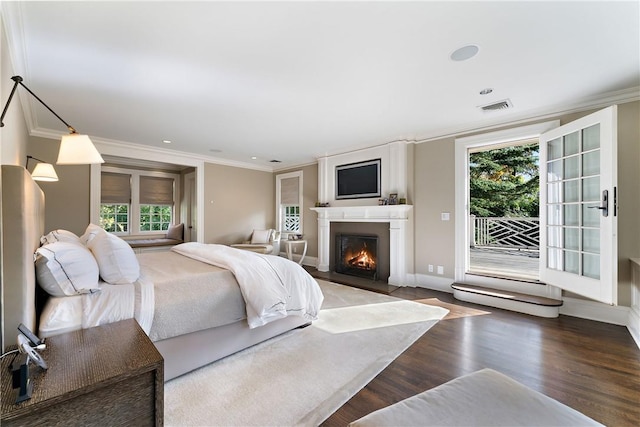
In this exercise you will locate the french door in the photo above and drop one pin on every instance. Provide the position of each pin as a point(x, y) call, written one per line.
point(578, 206)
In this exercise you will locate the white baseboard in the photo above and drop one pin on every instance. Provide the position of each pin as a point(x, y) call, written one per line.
point(442, 284)
point(634, 324)
point(311, 261)
point(586, 309)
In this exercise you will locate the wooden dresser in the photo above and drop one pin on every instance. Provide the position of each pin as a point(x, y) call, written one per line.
point(108, 375)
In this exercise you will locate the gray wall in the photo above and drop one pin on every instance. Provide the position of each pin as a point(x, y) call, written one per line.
point(67, 201)
point(236, 201)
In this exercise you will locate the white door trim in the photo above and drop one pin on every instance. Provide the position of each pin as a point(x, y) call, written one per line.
point(462, 146)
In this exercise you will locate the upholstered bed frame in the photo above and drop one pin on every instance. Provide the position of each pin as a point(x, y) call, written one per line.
point(22, 227)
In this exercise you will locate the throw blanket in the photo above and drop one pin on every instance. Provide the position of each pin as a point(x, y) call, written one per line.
point(273, 287)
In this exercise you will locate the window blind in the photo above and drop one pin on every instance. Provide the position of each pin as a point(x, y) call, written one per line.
point(156, 190)
point(289, 194)
point(115, 188)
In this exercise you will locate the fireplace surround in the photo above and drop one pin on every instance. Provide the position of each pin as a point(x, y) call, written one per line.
point(397, 217)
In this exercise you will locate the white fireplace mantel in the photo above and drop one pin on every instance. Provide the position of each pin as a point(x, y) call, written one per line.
point(400, 234)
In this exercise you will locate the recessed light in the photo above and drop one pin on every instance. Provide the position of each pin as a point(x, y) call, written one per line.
point(254, 158)
point(464, 53)
point(486, 91)
point(166, 141)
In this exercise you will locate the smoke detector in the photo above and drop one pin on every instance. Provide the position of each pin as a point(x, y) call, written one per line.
point(496, 106)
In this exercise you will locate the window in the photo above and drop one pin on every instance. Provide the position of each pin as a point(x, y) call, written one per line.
point(289, 202)
point(114, 218)
point(136, 201)
point(156, 203)
point(291, 218)
point(115, 201)
point(155, 217)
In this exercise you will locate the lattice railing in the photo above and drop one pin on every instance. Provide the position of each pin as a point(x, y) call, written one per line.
point(515, 233)
point(292, 223)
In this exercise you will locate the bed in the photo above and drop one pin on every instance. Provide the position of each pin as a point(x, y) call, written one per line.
point(196, 307)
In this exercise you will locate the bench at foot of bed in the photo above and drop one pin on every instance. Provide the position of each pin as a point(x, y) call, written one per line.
point(482, 398)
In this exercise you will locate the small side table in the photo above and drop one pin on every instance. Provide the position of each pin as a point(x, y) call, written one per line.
point(289, 243)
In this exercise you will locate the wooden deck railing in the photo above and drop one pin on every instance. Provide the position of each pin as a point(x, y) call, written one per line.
point(507, 233)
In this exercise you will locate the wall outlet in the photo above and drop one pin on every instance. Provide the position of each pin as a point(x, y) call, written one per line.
point(445, 216)
point(430, 268)
point(440, 269)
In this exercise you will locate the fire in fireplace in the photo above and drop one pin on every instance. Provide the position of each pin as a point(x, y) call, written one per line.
point(357, 255)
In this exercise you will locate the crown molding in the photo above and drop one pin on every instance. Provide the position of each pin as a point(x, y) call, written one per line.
point(133, 150)
point(601, 101)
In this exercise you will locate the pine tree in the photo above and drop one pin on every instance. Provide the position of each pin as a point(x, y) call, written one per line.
point(504, 182)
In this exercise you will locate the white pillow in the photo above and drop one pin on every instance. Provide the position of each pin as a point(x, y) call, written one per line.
point(260, 236)
point(91, 232)
point(65, 269)
point(117, 261)
point(60, 236)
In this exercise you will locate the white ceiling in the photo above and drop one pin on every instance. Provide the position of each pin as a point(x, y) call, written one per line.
point(297, 80)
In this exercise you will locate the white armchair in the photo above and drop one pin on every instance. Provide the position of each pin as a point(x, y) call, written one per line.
point(262, 241)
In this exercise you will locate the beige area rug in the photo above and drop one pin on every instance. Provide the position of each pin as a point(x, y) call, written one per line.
point(302, 376)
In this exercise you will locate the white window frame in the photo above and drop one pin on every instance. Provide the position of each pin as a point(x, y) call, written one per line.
point(133, 152)
point(134, 205)
point(279, 210)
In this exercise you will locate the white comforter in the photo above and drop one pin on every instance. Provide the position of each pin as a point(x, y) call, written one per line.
point(273, 287)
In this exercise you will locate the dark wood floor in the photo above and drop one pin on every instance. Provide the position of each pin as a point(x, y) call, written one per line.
point(590, 366)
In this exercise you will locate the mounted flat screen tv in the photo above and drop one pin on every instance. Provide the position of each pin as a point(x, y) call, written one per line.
point(358, 180)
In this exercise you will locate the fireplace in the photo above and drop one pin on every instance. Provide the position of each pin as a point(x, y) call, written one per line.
point(357, 255)
point(395, 230)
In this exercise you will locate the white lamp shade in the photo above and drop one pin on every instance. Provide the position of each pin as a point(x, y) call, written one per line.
point(44, 172)
point(76, 149)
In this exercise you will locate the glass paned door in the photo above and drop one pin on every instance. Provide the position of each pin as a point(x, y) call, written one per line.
point(578, 217)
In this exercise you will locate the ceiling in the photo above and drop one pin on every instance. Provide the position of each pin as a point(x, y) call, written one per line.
point(294, 81)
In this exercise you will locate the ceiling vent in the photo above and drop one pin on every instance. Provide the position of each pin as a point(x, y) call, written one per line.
point(275, 161)
point(496, 106)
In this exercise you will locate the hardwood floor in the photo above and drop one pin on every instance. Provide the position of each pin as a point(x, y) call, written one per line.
point(590, 366)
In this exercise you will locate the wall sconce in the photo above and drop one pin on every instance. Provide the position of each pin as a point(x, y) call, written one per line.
point(43, 171)
point(75, 149)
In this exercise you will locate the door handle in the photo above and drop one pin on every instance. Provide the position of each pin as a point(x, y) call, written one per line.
point(604, 207)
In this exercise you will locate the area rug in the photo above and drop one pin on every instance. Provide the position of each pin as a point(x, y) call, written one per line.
point(303, 376)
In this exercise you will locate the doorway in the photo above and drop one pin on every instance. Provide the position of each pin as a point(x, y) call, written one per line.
point(504, 228)
point(578, 207)
point(463, 229)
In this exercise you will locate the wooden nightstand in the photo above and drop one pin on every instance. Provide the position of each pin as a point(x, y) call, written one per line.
point(108, 375)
